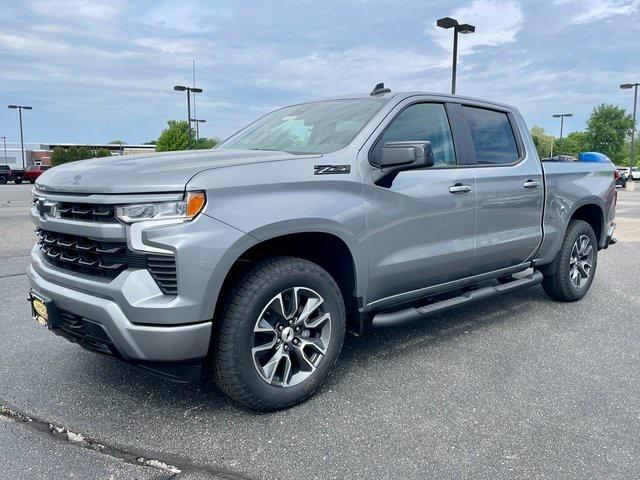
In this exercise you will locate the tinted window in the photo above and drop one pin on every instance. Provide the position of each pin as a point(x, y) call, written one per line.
point(424, 122)
point(492, 136)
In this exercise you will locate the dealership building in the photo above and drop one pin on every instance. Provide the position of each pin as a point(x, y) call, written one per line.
point(40, 153)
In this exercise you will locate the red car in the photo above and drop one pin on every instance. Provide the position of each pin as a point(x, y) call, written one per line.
point(34, 172)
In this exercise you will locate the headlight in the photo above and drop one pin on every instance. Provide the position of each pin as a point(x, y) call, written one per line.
point(181, 210)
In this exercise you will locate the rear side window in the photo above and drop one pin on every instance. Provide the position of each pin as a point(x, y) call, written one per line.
point(424, 122)
point(492, 136)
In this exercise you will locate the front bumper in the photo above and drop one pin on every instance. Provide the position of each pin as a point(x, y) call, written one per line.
point(144, 345)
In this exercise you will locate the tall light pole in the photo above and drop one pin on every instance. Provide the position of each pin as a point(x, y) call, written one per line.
point(198, 122)
point(182, 88)
point(448, 22)
point(561, 117)
point(20, 108)
point(4, 141)
point(626, 86)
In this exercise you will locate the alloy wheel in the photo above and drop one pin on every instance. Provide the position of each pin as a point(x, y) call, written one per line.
point(581, 261)
point(291, 337)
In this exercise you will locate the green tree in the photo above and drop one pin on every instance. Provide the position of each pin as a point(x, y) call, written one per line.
point(175, 137)
point(204, 143)
point(103, 152)
point(117, 142)
point(573, 144)
point(627, 152)
point(58, 156)
point(84, 153)
point(72, 154)
point(607, 129)
point(542, 141)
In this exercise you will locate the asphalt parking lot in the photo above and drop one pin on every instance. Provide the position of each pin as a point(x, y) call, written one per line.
point(514, 387)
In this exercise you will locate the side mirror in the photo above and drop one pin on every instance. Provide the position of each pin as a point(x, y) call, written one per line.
point(406, 155)
point(396, 157)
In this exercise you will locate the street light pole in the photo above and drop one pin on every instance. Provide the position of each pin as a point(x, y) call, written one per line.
point(448, 22)
point(182, 88)
point(198, 122)
point(561, 117)
point(20, 108)
point(4, 141)
point(633, 131)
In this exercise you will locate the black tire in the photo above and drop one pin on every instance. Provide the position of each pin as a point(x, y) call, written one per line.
point(32, 181)
point(558, 283)
point(3, 180)
point(233, 362)
point(17, 181)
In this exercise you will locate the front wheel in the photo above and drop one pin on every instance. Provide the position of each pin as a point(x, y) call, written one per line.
point(17, 181)
point(279, 334)
point(575, 264)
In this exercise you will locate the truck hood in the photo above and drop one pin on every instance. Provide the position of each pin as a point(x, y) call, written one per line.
point(158, 172)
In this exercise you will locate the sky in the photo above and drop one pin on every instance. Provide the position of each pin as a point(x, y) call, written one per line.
point(97, 71)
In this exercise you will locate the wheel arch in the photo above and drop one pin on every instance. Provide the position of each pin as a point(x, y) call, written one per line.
point(593, 214)
point(325, 247)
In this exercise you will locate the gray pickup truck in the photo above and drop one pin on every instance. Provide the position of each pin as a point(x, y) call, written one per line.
point(251, 260)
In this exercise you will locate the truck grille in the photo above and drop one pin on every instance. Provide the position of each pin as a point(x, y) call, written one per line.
point(85, 211)
point(105, 259)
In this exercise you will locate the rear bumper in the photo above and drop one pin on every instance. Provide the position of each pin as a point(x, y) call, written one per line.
point(149, 346)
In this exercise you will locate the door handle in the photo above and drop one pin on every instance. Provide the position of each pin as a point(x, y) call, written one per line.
point(531, 184)
point(459, 188)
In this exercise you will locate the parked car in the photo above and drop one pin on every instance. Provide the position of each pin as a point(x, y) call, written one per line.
point(17, 175)
point(5, 174)
point(254, 258)
point(34, 172)
point(623, 176)
point(635, 174)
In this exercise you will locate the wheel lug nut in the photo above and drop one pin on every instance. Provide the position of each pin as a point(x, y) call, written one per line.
point(286, 347)
point(280, 327)
point(290, 322)
point(297, 329)
point(295, 341)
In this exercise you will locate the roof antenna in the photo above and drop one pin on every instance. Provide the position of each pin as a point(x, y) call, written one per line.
point(379, 89)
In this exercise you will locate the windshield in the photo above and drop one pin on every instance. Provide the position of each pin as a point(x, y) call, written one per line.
point(320, 127)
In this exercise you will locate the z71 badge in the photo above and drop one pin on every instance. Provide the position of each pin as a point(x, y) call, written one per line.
point(331, 169)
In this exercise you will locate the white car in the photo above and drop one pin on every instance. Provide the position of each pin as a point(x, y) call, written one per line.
point(635, 174)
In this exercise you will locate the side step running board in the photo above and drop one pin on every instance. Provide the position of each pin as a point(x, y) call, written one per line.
point(392, 319)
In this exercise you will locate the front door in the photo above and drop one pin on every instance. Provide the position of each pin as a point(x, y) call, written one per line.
point(420, 229)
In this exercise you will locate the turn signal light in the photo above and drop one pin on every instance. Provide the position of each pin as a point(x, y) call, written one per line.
point(195, 203)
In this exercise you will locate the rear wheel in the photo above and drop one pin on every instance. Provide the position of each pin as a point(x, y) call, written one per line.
point(279, 334)
point(575, 264)
point(3, 180)
point(17, 181)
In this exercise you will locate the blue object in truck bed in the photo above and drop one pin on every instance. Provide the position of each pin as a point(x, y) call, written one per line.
point(593, 157)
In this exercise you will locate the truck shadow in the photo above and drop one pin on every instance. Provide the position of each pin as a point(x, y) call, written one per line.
point(205, 400)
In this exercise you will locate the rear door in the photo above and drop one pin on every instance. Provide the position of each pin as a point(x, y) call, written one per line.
point(510, 190)
point(420, 228)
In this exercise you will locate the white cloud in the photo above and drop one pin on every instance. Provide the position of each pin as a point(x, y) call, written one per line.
point(593, 10)
point(168, 45)
point(28, 45)
point(497, 22)
point(87, 9)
